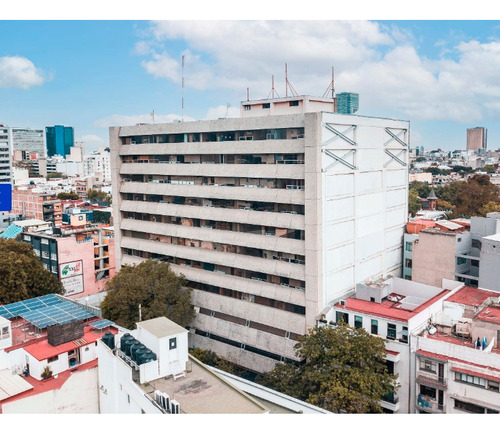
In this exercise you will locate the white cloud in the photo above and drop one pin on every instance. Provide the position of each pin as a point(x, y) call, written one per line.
point(383, 64)
point(19, 72)
point(223, 112)
point(123, 120)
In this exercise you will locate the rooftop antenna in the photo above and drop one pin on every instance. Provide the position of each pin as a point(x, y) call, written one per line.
point(182, 117)
point(288, 84)
point(273, 90)
point(248, 94)
point(331, 87)
point(153, 115)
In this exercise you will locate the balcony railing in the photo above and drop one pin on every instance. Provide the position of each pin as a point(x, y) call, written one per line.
point(429, 404)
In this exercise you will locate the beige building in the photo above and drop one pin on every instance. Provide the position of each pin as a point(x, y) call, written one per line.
point(476, 138)
point(270, 217)
point(435, 255)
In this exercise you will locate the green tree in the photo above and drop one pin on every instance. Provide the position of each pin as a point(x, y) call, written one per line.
point(68, 195)
point(414, 203)
point(449, 191)
point(22, 275)
point(54, 175)
point(98, 196)
point(152, 285)
point(423, 189)
point(474, 194)
point(490, 169)
point(344, 370)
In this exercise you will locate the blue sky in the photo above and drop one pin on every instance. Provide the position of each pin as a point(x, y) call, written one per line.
point(442, 76)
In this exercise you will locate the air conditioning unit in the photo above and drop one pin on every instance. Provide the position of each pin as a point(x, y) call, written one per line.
point(165, 401)
point(196, 309)
point(175, 407)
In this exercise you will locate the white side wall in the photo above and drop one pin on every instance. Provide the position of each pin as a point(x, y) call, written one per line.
point(78, 395)
point(364, 201)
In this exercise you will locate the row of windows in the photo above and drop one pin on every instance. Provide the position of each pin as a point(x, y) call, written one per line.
point(374, 327)
point(473, 408)
point(477, 381)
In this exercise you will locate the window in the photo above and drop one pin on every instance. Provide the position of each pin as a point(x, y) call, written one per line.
point(44, 241)
point(461, 260)
point(469, 379)
point(428, 391)
point(469, 407)
point(172, 344)
point(294, 103)
point(409, 246)
point(247, 107)
point(4, 333)
point(391, 331)
point(428, 365)
point(404, 335)
point(493, 386)
point(374, 329)
point(358, 322)
point(476, 243)
point(27, 238)
point(266, 105)
point(53, 359)
point(408, 262)
point(342, 316)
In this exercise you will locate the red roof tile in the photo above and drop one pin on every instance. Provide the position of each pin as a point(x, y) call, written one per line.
point(42, 350)
point(471, 296)
point(489, 314)
point(392, 311)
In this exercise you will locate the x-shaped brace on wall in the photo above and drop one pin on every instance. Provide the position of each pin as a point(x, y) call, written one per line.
point(338, 159)
point(395, 157)
point(339, 134)
point(395, 137)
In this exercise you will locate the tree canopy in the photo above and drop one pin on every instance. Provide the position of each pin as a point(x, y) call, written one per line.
point(22, 275)
point(344, 370)
point(474, 195)
point(68, 195)
point(98, 196)
point(152, 285)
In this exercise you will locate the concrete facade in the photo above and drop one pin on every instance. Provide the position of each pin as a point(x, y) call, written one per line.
point(269, 218)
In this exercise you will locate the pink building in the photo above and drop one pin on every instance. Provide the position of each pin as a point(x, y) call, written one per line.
point(83, 259)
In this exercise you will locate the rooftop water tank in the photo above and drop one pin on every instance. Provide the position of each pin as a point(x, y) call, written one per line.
point(128, 344)
point(139, 353)
point(124, 338)
point(109, 340)
point(135, 349)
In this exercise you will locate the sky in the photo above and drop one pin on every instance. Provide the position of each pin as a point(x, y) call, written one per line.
point(442, 76)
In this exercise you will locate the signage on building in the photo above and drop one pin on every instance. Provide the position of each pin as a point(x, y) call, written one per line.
point(71, 269)
point(5, 197)
point(73, 285)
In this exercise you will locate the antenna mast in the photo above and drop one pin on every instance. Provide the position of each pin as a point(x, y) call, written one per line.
point(288, 84)
point(330, 87)
point(273, 90)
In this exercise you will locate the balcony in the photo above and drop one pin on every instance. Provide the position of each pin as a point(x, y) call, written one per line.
point(439, 382)
point(429, 405)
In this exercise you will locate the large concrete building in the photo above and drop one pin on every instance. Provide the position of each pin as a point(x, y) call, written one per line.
point(477, 138)
point(271, 217)
point(29, 141)
point(5, 155)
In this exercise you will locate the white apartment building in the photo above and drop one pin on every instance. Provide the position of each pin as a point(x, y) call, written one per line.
point(98, 164)
point(5, 155)
point(270, 217)
point(395, 309)
point(458, 357)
